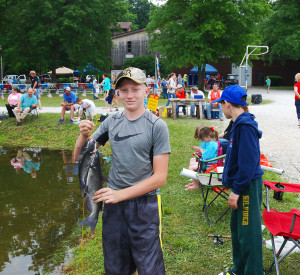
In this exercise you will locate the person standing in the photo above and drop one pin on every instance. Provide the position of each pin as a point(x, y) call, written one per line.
point(242, 173)
point(35, 81)
point(297, 96)
point(268, 81)
point(164, 88)
point(180, 81)
point(131, 219)
point(171, 86)
point(106, 84)
point(94, 88)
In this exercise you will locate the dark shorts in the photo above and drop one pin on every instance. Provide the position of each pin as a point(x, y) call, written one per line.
point(132, 238)
point(109, 100)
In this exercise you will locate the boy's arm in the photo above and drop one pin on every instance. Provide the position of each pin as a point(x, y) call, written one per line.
point(296, 92)
point(86, 128)
point(158, 179)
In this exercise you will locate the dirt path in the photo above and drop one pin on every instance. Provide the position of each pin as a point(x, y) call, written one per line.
point(281, 136)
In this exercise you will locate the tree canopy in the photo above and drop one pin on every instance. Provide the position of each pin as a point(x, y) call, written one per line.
point(281, 31)
point(195, 32)
point(43, 35)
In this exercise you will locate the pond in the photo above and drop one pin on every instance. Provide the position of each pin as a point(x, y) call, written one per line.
point(40, 207)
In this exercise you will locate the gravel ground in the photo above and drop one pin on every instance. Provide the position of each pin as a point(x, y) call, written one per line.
point(277, 120)
point(280, 138)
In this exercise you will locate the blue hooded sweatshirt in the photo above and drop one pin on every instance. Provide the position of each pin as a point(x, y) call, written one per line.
point(242, 163)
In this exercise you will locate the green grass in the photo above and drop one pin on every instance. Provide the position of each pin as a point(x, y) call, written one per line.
point(187, 249)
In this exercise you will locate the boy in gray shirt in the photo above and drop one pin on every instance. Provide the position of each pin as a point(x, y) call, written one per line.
point(140, 146)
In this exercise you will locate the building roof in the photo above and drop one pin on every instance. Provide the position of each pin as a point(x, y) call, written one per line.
point(127, 33)
point(125, 25)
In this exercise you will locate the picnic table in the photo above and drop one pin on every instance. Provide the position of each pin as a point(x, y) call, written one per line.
point(188, 101)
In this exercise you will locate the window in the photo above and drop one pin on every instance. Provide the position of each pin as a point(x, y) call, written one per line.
point(128, 46)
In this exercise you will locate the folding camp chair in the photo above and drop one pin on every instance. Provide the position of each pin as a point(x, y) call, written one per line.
point(34, 113)
point(285, 224)
point(212, 182)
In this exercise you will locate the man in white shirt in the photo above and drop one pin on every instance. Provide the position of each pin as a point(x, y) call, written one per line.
point(194, 92)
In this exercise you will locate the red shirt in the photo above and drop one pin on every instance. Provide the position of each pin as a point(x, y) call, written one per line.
point(180, 93)
point(298, 86)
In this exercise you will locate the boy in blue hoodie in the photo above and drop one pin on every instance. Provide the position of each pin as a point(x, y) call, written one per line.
point(242, 173)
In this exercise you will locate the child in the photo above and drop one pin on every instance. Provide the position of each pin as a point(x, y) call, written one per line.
point(109, 97)
point(140, 146)
point(115, 97)
point(268, 81)
point(208, 149)
point(242, 173)
point(88, 106)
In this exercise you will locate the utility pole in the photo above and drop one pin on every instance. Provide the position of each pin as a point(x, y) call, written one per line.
point(1, 76)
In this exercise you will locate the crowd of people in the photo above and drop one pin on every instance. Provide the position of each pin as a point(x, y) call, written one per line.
point(176, 87)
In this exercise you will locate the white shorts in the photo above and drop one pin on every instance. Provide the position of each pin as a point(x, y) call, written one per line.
point(90, 111)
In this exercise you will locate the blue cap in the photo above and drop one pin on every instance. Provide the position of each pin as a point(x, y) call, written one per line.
point(233, 94)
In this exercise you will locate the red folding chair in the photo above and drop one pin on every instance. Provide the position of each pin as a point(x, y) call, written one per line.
point(285, 224)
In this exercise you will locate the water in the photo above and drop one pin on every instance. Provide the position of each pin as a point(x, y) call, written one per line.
point(40, 205)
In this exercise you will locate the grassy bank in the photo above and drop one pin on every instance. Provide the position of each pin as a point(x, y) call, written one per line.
point(187, 249)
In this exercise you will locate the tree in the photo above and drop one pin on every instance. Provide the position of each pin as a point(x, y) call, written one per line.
point(281, 31)
point(141, 8)
point(47, 34)
point(198, 32)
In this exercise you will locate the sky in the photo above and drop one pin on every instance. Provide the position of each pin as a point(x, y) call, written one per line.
point(158, 2)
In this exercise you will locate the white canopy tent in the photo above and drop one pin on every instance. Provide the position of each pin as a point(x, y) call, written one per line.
point(62, 70)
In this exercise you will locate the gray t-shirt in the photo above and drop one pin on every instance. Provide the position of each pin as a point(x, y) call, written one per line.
point(133, 145)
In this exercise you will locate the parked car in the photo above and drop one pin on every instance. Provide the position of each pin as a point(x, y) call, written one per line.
point(45, 78)
point(22, 79)
point(6, 78)
point(231, 79)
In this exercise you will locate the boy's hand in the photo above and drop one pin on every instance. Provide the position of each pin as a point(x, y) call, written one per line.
point(86, 127)
point(108, 195)
point(233, 200)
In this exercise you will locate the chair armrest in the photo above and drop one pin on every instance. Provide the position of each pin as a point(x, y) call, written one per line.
point(296, 212)
point(209, 160)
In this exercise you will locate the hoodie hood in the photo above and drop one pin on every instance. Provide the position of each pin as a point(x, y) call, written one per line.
point(246, 119)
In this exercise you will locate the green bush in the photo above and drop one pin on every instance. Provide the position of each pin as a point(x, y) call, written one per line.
point(275, 80)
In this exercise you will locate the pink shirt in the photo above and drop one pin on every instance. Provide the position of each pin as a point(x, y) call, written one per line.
point(14, 98)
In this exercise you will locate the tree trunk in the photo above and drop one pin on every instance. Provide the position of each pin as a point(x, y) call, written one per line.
point(201, 77)
point(53, 64)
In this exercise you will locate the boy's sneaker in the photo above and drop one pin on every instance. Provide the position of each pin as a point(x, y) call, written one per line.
point(118, 110)
point(60, 121)
point(227, 272)
point(71, 121)
point(221, 118)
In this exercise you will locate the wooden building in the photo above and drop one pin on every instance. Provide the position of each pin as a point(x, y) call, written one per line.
point(128, 45)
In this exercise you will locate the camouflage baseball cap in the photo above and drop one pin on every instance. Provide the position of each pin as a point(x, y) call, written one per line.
point(135, 74)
